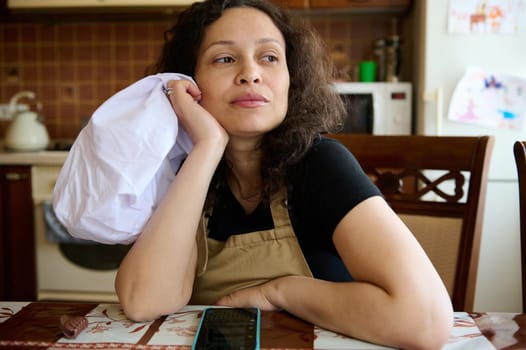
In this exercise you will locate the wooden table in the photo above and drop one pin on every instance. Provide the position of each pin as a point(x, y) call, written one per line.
point(35, 325)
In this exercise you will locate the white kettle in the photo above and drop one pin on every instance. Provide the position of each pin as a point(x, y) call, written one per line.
point(27, 131)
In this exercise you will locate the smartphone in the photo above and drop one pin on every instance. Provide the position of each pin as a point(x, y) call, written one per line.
point(228, 329)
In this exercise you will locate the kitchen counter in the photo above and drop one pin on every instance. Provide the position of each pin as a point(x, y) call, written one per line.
point(32, 158)
point(55, 154)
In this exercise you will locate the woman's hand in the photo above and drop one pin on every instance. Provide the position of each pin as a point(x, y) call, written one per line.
point(250, 297)
point(198, 123)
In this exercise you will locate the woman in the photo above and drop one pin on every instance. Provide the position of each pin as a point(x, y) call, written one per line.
point(264, 211)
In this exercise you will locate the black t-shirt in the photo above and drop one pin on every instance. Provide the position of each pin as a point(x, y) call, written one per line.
point(327, 183)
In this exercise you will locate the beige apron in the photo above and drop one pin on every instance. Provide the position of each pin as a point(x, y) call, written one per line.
point(247, 259)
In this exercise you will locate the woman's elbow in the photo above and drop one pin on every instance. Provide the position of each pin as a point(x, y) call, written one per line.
point(141, 311)
point(141, 307)
point(432, 329)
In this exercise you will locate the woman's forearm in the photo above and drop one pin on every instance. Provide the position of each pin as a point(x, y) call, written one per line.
point(156, 276)
point(363, 310)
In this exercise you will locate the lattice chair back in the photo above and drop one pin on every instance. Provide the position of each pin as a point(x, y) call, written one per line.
point(437, 185)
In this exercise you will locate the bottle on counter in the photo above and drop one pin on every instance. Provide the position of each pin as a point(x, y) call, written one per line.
point(379, 56)
point(392, 59)
point(342, 64)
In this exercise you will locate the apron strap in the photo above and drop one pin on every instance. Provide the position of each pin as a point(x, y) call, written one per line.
point(279, 208)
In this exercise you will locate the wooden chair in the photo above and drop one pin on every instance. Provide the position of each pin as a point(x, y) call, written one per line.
point(437, 185)
point(519, 149)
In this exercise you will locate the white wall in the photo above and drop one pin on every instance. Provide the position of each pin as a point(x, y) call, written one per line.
point(499, 279)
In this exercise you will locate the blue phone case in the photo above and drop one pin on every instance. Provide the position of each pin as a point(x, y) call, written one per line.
point(216, 309)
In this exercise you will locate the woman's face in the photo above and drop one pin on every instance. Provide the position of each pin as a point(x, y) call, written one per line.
point(242, 72)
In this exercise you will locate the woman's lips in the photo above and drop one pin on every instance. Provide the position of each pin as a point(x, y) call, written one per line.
point(250, 100)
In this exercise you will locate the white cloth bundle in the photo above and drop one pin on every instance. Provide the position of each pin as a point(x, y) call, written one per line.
point(121, 164)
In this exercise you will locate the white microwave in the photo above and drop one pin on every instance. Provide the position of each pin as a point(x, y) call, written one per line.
point(377, 108)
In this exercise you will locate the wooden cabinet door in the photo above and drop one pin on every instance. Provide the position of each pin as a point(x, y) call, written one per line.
point(362, 4)
point(50, 4)
point(292, 4)
point(17, 234)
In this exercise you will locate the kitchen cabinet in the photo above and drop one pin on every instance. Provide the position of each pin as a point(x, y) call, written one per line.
point(380, 5)
point(17, 243)
point(363, 4)
point(27, 4)
point(292, 4)
point(78, 5)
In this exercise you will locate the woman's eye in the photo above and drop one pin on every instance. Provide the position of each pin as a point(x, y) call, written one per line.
point(226, 59)
point(270, 58)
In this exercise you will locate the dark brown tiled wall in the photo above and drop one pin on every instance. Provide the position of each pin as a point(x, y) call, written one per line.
point(74, 66)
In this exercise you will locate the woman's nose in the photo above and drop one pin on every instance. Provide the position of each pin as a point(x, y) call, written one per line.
point(248, 75)
point(249, 79)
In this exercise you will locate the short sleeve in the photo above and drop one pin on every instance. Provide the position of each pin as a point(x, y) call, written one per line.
point(330, 182)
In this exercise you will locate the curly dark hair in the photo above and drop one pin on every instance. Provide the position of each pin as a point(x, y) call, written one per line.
point(313, 105)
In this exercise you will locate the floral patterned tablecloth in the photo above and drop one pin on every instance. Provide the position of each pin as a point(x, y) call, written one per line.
point(36, 326)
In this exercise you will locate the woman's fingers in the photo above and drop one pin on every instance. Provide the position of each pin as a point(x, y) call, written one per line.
point(184, 96)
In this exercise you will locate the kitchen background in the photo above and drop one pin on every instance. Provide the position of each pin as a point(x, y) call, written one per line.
point(76, 59)
point(73, 62)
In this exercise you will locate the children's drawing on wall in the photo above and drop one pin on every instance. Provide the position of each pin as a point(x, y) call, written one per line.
point(486, 16)
point(489, 99)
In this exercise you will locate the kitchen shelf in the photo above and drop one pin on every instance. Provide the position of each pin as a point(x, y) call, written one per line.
point(361, 4)
point(43, 4)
